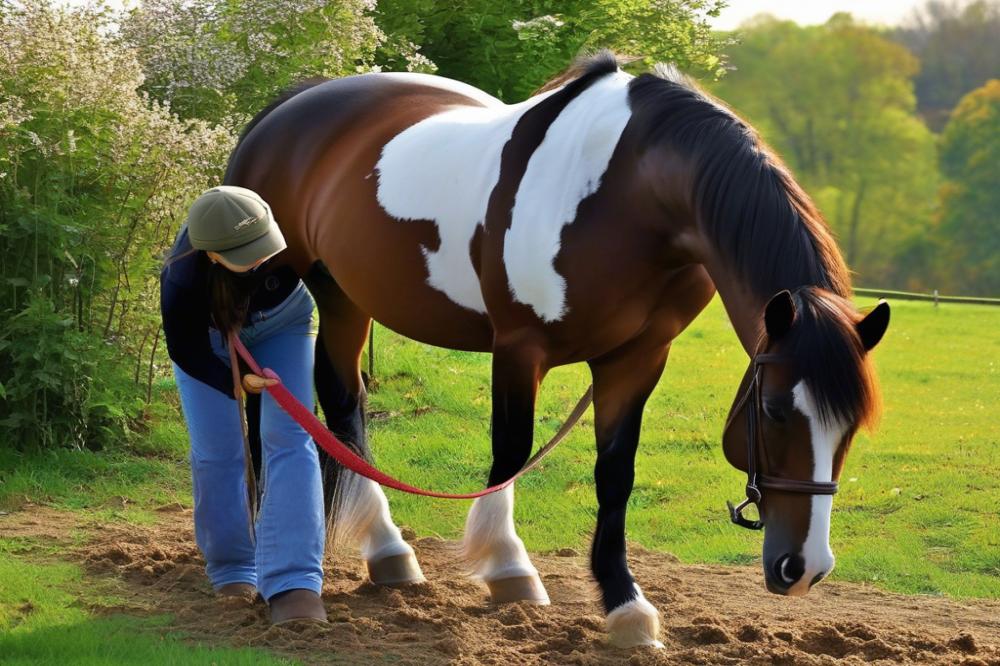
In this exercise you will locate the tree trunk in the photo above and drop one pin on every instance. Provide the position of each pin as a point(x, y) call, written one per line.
point(852, 234)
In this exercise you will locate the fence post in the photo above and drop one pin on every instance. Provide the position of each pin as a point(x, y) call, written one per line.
point(371, 351)
point(935, 298)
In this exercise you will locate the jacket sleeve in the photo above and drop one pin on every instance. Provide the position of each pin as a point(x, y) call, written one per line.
point(185, 327)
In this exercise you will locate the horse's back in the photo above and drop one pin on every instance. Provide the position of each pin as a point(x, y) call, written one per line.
point(314, 160)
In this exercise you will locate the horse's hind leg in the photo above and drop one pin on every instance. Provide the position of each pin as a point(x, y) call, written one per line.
point(623, 380)
point(357, 507)
point(491, 544)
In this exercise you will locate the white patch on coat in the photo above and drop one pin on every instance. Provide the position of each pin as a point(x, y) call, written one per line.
point(826, 438)
point(444, 168)
point(565, 169)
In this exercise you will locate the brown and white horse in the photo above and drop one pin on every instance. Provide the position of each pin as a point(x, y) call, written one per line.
point(590, 223)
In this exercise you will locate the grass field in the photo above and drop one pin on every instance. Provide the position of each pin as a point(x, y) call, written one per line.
point(918, 506)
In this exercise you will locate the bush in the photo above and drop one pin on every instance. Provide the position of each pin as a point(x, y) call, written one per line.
point(94, 181)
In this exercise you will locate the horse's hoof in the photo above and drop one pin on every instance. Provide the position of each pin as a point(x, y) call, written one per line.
point(518, 588)
point(634, 624)
point(394, 570)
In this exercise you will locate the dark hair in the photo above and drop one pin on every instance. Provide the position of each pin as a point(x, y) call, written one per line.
point(229, 295)
point(746, 200)
point(831, 357)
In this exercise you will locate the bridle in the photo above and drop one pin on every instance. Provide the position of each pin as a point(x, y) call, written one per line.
point(751, 400)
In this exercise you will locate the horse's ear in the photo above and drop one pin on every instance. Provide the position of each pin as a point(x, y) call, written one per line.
point(779, 314)
point(872, 327)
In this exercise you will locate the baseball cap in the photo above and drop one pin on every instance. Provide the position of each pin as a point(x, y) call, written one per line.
point(236, 223)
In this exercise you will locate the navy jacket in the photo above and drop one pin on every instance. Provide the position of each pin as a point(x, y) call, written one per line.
point(185, 304)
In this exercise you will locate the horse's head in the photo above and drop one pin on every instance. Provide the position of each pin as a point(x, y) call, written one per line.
point(802, 399)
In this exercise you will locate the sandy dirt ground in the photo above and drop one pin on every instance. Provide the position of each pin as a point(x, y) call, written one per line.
point(709, 614)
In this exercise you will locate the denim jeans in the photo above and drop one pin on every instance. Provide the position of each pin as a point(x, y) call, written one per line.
point(288, 553)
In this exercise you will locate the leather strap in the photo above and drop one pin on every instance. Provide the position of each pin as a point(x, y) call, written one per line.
point(751, 402)
point(352, 461)
point(251, 478)
point(796, 486)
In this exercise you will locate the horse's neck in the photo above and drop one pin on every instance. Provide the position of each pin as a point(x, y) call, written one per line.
point(745, 309)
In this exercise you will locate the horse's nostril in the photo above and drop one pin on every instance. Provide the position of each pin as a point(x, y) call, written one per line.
point(817, 578)
point(788, 569)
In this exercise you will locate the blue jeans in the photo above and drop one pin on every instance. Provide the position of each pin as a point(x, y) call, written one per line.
point(288, 553)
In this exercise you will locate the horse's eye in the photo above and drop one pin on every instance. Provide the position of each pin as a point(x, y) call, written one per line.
point(774, 413)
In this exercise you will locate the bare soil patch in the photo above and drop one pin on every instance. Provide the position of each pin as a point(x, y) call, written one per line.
point(710, 614)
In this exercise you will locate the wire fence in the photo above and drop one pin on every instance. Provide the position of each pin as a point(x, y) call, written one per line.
point(934, 297)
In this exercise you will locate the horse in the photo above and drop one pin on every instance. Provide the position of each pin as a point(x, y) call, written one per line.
point(590, 223)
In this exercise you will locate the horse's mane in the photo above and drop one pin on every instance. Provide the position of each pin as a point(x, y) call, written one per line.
point(760, 219)
point(745, 198)
point(831, 358)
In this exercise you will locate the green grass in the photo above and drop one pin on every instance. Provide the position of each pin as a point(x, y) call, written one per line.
point(918, 508)
point(110, 485)
point(42, 621)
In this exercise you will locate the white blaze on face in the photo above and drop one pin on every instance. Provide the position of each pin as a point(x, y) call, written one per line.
point(565, 169)
point(825, 440)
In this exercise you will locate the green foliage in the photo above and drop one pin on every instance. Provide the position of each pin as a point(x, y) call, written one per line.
point(958, 50)
point(837, 102)
point(51, 397)
point(509, 49)
point(970, 216)
point(110, 484)
point(94, 178)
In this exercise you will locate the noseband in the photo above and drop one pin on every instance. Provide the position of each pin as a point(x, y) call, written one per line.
point(751, 401)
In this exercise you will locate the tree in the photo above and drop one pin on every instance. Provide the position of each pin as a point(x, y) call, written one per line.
point(970, 198)
point(837, 101)
point(511, 48)
point(958, 51)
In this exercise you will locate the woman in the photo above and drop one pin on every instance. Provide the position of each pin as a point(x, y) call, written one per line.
point(220, 277)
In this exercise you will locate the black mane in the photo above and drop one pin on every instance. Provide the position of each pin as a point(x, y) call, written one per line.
point(745, 199)
point(749, 205)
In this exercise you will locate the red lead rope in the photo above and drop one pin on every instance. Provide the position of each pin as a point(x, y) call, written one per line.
point(352, 461)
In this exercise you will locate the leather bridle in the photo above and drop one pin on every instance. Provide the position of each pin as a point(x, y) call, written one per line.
point(751, 401)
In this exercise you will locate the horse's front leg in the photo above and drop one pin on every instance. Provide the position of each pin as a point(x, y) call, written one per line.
point(491, 544)
point(623, 380)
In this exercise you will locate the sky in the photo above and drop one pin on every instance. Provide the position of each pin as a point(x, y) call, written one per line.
point(887, 12)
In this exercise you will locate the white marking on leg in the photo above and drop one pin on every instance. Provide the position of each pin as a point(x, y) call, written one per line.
point(826, 438)
point(565, 169)
point(365, 518)
point(634, 623)
point(491, 544)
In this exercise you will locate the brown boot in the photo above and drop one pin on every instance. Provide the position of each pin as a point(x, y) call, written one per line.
point(296, 605)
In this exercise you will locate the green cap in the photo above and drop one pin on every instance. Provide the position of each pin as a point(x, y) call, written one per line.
point(236, 223)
